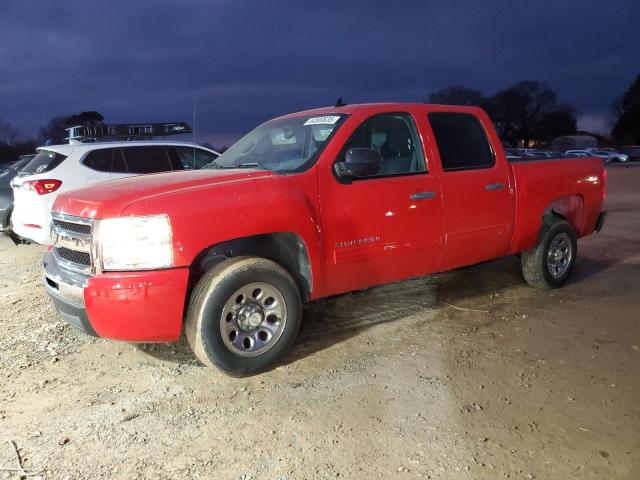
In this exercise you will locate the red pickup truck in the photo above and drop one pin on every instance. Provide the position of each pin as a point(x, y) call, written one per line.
point(305, 206)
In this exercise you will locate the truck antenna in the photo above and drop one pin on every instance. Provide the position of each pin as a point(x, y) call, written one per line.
point(194, 119)
point(340, 103)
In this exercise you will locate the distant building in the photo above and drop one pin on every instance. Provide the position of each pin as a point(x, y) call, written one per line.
point(574, 142)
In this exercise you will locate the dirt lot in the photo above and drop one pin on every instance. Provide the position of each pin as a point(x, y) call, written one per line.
point(466, 375)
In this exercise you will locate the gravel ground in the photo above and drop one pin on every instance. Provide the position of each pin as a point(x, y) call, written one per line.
point(465, 375)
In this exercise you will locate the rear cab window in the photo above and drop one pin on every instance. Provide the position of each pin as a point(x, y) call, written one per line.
point(44, 161)
point(462, 141)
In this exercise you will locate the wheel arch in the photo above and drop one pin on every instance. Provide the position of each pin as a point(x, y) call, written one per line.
point(532, 219)
point(287, 249)
point(567, 207)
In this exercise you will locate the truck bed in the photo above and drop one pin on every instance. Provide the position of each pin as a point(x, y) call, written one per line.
point(570, 187)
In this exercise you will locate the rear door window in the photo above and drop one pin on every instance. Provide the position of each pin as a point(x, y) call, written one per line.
point(462, 141)
point(118, 165)
point(194, 158)
point(151, 159)
point(99, 160)
point(44, 161)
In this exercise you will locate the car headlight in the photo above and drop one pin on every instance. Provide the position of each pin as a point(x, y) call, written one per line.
point(134, 243)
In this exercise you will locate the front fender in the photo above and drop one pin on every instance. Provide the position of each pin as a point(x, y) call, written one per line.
point(215, 214)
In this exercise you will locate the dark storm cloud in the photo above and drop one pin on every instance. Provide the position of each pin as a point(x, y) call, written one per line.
point(247, 61)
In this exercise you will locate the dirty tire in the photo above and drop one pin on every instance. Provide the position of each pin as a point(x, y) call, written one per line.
point(213, 293)
point(534, 262)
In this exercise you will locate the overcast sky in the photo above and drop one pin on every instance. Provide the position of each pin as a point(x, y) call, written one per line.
point(247, 61)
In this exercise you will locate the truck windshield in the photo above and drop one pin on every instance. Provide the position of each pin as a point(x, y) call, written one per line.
point(284, 146)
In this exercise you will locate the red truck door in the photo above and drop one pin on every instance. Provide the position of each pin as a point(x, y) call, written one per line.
point(477, 199)
point(384, 226)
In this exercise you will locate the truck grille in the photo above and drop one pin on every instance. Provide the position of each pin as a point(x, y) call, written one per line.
point(83, 228)
point(73, 256)
point(72, 242)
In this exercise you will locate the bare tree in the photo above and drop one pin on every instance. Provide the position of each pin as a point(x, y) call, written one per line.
point(555, 124)
point(519, 110)
point(8, 133)
point(627, 127)
point(457, 95)
point(54, 130)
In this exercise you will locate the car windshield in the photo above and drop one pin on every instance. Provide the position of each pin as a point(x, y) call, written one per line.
point(284, 146)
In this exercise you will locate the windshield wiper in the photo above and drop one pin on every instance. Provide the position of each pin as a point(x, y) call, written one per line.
point(243, 165)
point(248, 165)
point(239, 165)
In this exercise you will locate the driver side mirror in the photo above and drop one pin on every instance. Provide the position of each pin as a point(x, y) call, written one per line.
point(358, 162)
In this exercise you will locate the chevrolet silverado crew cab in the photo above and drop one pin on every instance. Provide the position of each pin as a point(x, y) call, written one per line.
point(305, 206)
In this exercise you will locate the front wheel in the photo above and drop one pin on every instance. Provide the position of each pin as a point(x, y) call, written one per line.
point(244, 315)
point(549, 264)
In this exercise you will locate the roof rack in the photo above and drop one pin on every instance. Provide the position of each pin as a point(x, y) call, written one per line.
point(125, 131)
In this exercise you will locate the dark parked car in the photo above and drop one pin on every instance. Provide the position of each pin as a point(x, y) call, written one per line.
point(6, 193)
point(633, 152)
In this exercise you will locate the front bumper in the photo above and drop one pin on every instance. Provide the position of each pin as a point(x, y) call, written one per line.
point(66, 290)
point(31, 217)
point(133, 306)
point(40, 234)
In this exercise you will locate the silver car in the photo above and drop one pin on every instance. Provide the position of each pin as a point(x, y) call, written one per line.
point(609, 154)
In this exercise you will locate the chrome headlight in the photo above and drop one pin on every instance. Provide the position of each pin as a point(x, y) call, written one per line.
point(134, 243)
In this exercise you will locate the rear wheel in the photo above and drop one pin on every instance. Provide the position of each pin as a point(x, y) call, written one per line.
point(244, 315)
point(550, 262)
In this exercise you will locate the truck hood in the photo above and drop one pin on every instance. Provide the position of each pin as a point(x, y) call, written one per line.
point(110, 199)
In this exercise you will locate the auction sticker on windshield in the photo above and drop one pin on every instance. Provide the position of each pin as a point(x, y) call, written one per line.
point(328, 120)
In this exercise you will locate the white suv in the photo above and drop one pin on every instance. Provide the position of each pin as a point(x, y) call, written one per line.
point(60, 168)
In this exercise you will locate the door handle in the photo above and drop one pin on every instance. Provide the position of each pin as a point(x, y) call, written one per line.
point(495, 186)
point(422, 195)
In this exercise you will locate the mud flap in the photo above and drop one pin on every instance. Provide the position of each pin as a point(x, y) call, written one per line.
point(600, 223)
